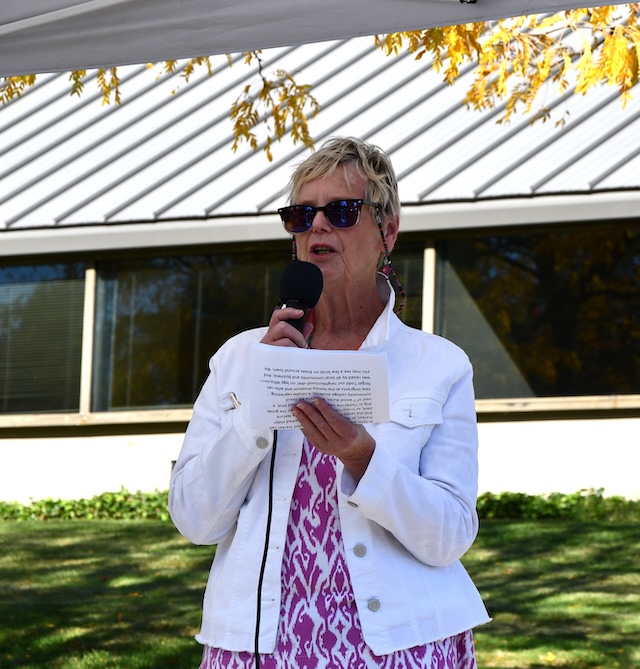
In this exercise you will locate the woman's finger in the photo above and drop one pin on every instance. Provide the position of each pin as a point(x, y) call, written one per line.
point(323, 424)
point(331, 432)
point(311, 420)
point(281, 332)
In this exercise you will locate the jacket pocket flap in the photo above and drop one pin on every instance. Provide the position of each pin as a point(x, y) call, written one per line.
point(414, 411)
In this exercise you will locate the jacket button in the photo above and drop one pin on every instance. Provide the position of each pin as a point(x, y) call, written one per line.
point(360, 550)
point(261, 442)
point(373, 604)
point(350, 503)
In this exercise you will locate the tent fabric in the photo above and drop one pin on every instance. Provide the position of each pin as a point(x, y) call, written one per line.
point(61, 35)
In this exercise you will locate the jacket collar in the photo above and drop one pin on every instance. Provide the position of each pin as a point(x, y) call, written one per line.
point(387, 322)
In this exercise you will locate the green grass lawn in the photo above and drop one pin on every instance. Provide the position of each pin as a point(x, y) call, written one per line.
point(126, 595)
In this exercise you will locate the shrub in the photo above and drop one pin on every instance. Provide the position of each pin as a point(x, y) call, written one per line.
point(581, 505)
point(122, 505)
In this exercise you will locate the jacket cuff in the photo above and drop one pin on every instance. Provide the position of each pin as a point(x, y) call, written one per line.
point(257, 441)
point(372, 488)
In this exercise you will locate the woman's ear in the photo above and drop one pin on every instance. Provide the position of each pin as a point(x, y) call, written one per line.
point(391, 231)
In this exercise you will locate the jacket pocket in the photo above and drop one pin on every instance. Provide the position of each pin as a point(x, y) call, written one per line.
point(416, 411)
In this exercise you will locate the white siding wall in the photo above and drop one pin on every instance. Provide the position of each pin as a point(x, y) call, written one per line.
point(561, 455)
point(80, 467)
point(531, 457)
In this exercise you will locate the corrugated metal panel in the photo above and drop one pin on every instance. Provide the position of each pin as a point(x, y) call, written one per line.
point(165, 153)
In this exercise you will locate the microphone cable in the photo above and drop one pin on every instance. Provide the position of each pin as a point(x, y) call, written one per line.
point(266, 549)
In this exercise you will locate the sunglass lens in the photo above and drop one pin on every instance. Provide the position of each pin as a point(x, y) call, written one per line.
point(343, 213)
point(297, 218)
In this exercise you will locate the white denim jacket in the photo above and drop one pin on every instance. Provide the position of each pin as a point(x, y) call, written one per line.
point(405, 525)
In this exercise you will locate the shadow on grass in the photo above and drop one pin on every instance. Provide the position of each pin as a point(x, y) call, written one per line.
point(127, 595)
point(561, 594)
point(114, 594)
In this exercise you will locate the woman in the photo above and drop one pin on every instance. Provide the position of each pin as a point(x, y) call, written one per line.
point(364, 526)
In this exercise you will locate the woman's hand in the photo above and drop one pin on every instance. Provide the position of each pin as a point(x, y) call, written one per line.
point(330, 432)
point(281, 333)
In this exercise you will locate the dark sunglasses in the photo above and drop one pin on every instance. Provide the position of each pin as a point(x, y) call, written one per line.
point(341, 214)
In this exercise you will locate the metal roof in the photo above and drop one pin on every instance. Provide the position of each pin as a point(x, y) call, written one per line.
point(165, 152)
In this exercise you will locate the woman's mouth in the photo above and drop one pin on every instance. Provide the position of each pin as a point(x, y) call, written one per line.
point(321, 250)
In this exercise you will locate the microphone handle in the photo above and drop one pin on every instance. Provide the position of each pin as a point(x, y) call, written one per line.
point(297, 323)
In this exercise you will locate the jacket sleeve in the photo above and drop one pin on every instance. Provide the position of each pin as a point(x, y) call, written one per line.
point(431, 511)
point(217, 464)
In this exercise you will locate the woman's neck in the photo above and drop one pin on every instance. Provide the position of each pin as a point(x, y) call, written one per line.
point(342, 323)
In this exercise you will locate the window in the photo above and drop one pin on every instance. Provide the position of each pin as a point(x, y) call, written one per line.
point(546, 313)
point(159, 320)
point(408, 262)
point(41, 310)
point(549, 313)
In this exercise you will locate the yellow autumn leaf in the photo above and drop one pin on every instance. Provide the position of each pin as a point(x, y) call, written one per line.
point(514, 58)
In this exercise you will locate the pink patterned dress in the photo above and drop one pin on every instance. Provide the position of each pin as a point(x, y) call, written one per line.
point(319, 623)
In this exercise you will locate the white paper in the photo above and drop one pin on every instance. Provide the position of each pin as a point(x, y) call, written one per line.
point(354, 383)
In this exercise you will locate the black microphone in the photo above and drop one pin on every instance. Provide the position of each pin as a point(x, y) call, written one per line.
point(300, 287)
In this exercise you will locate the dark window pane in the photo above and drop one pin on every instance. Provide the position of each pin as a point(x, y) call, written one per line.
point(408, 262)
point(544, 314)
point(159, 320)
point(41, 309)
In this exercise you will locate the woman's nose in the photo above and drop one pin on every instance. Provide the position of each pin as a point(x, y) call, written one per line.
point(320, 223)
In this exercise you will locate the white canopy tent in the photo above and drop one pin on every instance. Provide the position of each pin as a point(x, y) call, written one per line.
point(61, 35)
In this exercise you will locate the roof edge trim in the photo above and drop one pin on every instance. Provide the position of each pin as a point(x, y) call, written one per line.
point(415, 218)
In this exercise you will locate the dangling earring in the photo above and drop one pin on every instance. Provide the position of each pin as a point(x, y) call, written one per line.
point(294, 249)
point(387, 267)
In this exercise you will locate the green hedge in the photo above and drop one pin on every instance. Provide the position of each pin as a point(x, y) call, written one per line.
point(121, 505)
point(582, 505)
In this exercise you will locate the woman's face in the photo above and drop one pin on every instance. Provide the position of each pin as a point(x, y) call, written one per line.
point(343, 254)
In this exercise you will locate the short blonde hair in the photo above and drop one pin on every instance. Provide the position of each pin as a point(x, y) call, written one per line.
point(371, 162)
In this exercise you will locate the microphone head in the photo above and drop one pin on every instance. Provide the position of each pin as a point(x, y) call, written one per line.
point(301, 283)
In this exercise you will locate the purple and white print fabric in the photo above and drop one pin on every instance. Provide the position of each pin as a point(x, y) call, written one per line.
point(319, 624)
